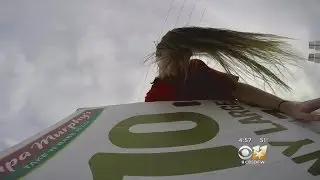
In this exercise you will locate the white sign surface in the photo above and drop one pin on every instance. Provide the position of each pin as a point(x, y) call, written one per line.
point(169, 140)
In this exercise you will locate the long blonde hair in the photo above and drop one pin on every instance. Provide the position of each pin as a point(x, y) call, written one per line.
point(235, 51)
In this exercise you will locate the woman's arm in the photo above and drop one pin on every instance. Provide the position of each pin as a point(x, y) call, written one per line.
point(251, 95)
point(300, 110)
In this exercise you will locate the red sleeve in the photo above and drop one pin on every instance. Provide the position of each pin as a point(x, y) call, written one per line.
point(223, 83)
point(161, 91)
point(227, 82)
point(199, 65)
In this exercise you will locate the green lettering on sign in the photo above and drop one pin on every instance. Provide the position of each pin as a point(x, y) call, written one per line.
point(116, 166)
point(205, 130)
point(219, 103)
point(274, 113)
point(257, 119)
point(186, 103)
point(245, 113)
point(277, 128)
point(315, 168)
point(293, 146)
point(232, 107)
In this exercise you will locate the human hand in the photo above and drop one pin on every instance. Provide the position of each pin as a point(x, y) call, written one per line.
point(302, 110)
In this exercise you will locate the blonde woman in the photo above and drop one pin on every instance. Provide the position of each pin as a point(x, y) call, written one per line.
point(182, 78)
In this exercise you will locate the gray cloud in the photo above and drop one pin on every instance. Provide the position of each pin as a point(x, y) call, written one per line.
point(57, 56)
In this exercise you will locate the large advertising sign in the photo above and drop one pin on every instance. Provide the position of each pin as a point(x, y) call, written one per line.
point(169, 140)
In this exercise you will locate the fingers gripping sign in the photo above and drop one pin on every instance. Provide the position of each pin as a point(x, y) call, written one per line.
point(306, 110)
point(117, 165)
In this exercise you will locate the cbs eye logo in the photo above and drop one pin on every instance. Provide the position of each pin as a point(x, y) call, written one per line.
point(245, 152)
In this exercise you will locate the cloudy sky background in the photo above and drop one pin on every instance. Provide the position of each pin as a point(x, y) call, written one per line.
point(57, 56)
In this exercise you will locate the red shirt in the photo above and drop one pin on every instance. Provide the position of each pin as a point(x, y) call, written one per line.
point(202, 83)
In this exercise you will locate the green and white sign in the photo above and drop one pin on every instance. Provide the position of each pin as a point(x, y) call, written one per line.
point(168, 140)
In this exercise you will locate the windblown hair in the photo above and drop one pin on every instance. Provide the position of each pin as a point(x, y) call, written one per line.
point(237, 52)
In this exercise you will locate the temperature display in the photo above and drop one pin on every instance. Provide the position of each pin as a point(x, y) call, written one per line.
point(263, 140)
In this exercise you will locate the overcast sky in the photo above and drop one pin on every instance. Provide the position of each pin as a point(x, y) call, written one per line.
point(57, 56)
